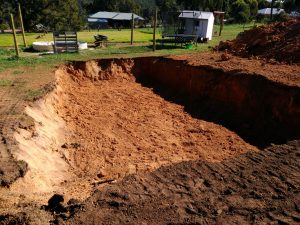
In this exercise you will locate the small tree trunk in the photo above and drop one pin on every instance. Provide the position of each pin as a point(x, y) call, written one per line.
point(272, 6)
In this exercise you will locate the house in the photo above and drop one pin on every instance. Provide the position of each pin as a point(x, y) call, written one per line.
point(295, 14)
point(267, 11)
point(97, 23)
point(198, 23)
point(114, 19)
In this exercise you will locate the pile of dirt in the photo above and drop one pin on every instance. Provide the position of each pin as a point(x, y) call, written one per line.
point(277, 41)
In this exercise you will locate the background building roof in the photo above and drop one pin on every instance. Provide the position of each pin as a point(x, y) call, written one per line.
point(196, 14)
point(115, 16)
point(94, 20)
point(267, 11)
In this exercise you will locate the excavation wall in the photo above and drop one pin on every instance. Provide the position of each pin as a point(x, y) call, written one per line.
point(260, 110)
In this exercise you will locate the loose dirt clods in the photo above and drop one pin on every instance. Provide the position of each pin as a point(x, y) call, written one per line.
point(277, 41)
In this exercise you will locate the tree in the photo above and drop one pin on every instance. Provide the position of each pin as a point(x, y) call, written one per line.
point(115, 6)
point(240, 11)
point(253, 5)
point(209, 5)
point(167, 5)
point(291, 5)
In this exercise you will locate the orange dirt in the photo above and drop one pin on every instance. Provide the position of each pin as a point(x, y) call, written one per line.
point(184, 169)
point(274, 71)
point(277, 41)
point(120, 127)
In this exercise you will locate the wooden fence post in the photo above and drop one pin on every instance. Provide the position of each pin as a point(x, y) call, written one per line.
point(132, 27)
point(154, 30)
point(22, 26)
point(14, 34)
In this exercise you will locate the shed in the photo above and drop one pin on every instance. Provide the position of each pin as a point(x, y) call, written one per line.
point(114, 18)
point(198, 23)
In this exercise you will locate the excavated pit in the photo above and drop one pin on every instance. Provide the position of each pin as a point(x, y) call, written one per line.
point(132, 115)
point(259, 110)
point(107, 119)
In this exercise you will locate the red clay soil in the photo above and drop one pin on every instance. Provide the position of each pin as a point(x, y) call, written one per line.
point(274, 71)
point(279, 41)
point(151, 162)
point(118, 127)
point(179, 169)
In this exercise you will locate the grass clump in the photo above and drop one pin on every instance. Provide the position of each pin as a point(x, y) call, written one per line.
point(33, 95)
point(6, 83)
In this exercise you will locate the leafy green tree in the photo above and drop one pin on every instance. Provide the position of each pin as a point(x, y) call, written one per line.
point(115, 6)
point(167, 5)
point(208, 5)
point(62, 15)
point(240, 11)
point(55, 14)
point(253, 5)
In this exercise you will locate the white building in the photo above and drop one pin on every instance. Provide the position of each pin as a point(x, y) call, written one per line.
point(198, 23)
point(267, 11)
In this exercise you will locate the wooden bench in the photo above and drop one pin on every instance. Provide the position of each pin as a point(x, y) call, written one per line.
point(65, 41)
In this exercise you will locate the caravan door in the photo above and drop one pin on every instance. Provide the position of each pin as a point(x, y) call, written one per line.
point(201, 28)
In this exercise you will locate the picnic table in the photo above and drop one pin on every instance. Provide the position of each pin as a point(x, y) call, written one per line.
point(179, 39)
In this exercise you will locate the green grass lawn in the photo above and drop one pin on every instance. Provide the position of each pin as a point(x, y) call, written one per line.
point(140, 35)
point(115, 36)
point(117, 47)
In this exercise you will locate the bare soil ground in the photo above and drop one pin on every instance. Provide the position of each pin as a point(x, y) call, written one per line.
point(120, 127)
point(253, 188)
point(274, 71)
point(140, 158)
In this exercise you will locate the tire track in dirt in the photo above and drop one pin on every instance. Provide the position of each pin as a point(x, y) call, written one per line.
point(253, 188)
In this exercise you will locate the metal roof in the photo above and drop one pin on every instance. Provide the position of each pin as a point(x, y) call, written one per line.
point(95, 20)
point(267, 11)
point(196, 14)
point(115, 16)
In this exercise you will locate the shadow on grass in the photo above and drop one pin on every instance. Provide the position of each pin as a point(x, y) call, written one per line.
point(166, 47)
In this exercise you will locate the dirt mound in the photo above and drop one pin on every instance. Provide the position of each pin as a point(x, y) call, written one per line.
point(277, 41)
point(254, 188)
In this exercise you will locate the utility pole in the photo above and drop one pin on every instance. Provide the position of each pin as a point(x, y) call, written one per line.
point(154, 30)
point(14, 34)
point(132, 27)
point(22, 25)
point(272, 6)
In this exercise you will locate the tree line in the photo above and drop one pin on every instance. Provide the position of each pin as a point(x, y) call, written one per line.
point(72, 14)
